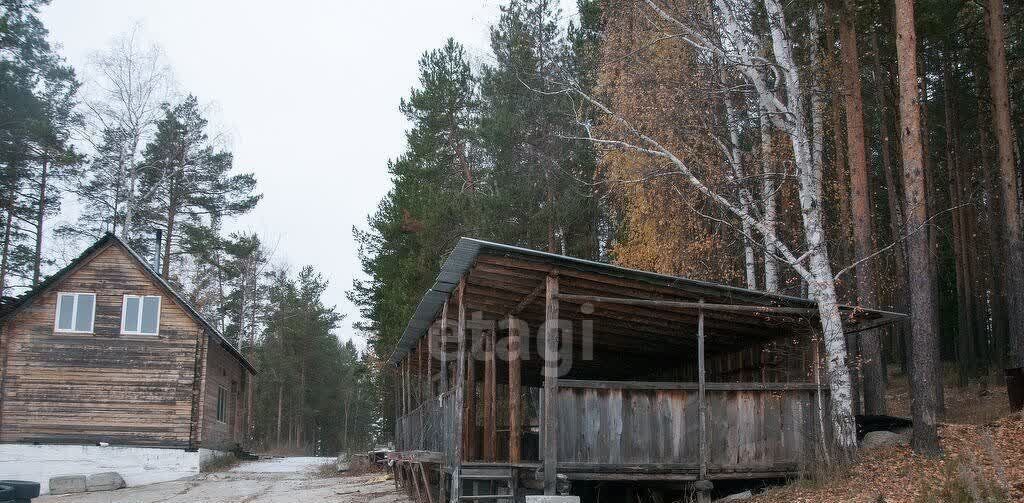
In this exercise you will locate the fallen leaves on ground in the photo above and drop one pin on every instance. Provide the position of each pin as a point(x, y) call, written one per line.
point(975, 458)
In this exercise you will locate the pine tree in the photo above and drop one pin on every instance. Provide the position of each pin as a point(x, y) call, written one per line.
point(37, 100)
point(191, 182)
point(437, 186)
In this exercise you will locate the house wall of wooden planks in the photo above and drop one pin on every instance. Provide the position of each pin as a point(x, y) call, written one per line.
point(108, 387)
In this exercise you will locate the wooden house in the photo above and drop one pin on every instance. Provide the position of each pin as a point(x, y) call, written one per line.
point(105, 352)
point(651, 378)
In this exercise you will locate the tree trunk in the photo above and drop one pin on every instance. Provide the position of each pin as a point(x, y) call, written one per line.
point(1012, 252)
point(959, 198)
point(166, 264)
point(280, 401)
point(930, 200)
point(810, 203)
point(344, 430)
point(736, 168)
point(996, 281)
point(769, 204)
point(893, 200)
point(132, 198)
point(6, 254)
point(838, 151)
point(923, 332)
point(860, 199)
point(37, 260)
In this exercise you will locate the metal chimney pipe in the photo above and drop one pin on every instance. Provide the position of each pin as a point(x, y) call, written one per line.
point(156, 253)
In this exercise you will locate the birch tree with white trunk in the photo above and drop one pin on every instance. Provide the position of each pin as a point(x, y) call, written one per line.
point(775, 83)
point(127, 84)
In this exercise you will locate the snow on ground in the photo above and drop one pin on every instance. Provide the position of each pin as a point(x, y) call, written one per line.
point(283, 465)
point(277, 480)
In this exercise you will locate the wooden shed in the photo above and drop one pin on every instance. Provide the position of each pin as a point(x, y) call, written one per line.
point(106, 352)
point(650, 377)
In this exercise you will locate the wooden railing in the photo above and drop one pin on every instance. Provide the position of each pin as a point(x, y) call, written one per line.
point(653, 426)
point(429, 427)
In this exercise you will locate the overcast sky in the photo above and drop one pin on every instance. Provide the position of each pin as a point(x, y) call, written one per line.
point(307, 93)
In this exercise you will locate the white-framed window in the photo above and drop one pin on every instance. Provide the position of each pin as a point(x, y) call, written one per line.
point(76, 312)
point(140, 315)
point(222, 404)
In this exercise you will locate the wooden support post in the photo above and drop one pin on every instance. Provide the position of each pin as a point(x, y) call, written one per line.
point(490, 392)
point(419, 372)
point(401, 384)
point(460, 375)
point(514, 392)
point(702, 406)
point(408, 384)
point(430, 362)
point(469, 433)
point(441, 483)
point(443, 354)
point(398, 409)
point(550, 441)
point(426, 484)
point(415, 483)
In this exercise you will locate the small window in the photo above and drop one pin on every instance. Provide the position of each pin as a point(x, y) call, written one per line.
point(222, 403)
point(140, 315)
point(75, 312)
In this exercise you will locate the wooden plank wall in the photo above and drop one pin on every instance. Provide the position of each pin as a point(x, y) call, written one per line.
point(784, 359)
point(100, 387)
point(428, 427)
point(748, 430)
point(222, 369)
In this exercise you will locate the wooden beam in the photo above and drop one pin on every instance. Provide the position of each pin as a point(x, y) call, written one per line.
point(549, 448)
point(469, 412)
point(514, 391)
point(701, 402)
point(398, 409)
point(419, 372)
point(731, 308)
point(443, 347)
point(430, 362)
point(687, 386)
point(530, 297)
point(490, 438)
point(460, 376)
point(408, 385)
point(412, 478)
point(426, 484)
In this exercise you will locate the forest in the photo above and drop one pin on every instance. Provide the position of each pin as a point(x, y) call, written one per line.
point(851, 151)
point(130, 153)
point(861, 152)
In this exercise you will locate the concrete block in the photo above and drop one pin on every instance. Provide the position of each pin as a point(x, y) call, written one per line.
point(67, 484)
point(552, 499)
point(106, 481)
point(876, 439)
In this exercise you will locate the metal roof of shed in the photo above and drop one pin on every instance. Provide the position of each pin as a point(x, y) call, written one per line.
point(467, 250)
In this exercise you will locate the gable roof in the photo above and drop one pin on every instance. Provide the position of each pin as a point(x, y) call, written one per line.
point(9, 307)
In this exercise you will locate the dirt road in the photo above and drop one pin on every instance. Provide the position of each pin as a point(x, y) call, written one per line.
point(278, 480)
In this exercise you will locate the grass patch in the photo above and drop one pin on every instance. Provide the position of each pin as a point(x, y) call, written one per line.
point(964, 484)
point(220, 464)
point(328, 470)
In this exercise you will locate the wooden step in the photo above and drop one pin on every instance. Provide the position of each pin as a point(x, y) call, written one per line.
point(490, 472)
point(484, 476)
